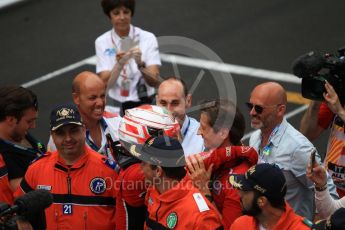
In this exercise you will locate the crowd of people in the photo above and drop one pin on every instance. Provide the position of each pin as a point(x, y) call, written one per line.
point(151, 166)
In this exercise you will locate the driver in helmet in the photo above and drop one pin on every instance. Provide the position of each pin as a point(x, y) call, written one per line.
point(136, 126)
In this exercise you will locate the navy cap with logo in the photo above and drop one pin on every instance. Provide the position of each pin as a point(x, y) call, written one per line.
point(335, 222)
point(161, 151)
point(64, 115)
point(265, 178)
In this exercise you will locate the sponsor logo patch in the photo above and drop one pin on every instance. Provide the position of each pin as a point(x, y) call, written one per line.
point(172, 220)
point(98, 185)
point(45, 187)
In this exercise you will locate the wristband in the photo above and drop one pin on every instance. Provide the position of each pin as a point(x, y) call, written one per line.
point(320, 189)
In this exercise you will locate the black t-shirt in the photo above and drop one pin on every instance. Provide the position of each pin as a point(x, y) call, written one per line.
point(18, 158)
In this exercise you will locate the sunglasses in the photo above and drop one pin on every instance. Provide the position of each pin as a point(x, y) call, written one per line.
point(258, 108)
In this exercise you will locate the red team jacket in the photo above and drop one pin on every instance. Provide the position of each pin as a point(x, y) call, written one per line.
point(180, 208)
point(6, 194)
point(228, 160)
point(288, 221)
point(130, 198)
point(83, 194)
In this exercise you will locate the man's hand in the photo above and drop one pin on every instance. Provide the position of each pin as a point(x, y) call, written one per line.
point(317, 174)
point(136, 54)
point(123, 57)
point(332, 99)
point(198, 173)
point(23, 225)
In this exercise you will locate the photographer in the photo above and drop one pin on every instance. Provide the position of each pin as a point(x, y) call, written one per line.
point(127, 57)
point(320, 116)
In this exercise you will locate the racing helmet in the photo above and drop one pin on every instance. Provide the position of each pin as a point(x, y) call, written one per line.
point(140, 123)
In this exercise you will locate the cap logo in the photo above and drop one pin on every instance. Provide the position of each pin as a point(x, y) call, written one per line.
point(260, 189)
point(150, 142)
point(234, 183)
point(65, 113)
point(156, 160)
point(251, 170)
point(134, 152)
point(228, 151)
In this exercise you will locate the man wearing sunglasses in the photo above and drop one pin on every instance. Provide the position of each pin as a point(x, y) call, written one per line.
point(277, 142)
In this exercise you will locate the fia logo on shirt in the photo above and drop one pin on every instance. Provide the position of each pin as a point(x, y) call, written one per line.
point(98, 185)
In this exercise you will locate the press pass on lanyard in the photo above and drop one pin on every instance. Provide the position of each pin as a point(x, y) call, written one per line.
point(125, 83)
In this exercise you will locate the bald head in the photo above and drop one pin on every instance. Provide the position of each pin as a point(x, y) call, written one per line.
point(268, 102)
point(86, 80)
point(271, 93)
point(88, 92)
point(173, 95)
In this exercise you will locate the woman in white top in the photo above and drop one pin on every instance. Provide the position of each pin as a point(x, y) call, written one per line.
point(127, 57)
point(325, 204)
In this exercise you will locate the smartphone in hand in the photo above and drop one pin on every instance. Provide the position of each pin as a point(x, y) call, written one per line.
point(127, 43)
point(312, 159)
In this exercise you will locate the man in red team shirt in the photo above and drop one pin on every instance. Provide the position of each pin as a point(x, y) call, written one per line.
point(80, 180)
point(262, 190)
point(137, 125)
point(172, 201)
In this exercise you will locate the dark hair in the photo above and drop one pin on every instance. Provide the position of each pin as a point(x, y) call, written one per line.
point(222, 113)
point(177, 173)
point(109, 5)
point(184, 85)
point(14, 100)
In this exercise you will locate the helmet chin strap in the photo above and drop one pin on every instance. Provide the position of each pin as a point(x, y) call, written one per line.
point(122, 157)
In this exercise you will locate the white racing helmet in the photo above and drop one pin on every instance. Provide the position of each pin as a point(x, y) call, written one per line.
point(140, 123)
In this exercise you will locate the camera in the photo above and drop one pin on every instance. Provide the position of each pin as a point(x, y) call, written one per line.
point(315, 68)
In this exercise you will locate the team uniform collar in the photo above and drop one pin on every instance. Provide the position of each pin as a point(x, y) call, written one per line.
point(78, 164)
point(180, 190)
point(285, 218)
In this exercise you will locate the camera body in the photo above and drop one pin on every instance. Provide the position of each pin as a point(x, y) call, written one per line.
point(314, 69)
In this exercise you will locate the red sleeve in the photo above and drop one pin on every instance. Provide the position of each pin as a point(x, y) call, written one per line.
point(27, 183)
point(229, 156)
point(231, 208)
point(134, 186)
point(325, 116)
point(6, 194)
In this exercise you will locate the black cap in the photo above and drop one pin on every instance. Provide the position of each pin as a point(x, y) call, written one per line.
point(161, 151)
point(64, 115)
point(335, 222)
point(265, 178)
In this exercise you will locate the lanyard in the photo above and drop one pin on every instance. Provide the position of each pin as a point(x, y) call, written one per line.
point(267, 149)
point(186, 130)
point(38, 150)
point(113, 37)
point(89, 141)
